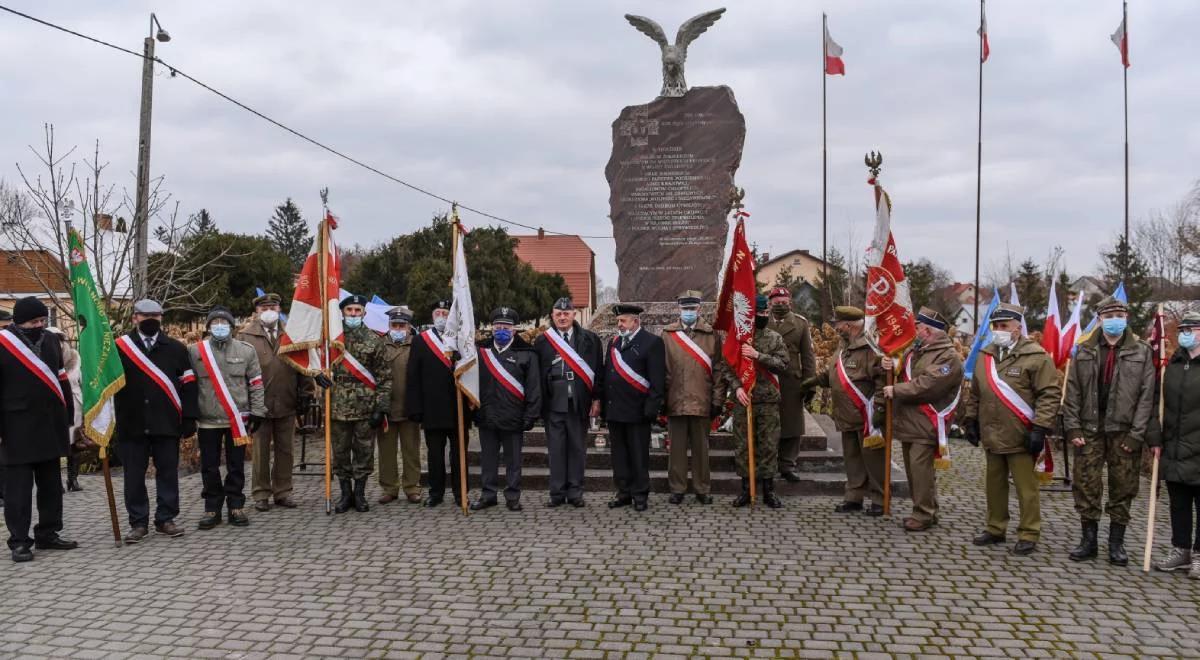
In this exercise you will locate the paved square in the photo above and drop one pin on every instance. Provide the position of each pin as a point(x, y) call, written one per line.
point(405, 581)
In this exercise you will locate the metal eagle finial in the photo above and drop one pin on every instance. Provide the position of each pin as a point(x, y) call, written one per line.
point(874, 161)
point(675, 55)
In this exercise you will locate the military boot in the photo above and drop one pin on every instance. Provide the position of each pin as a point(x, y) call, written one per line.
point(744, 498)
point(347, 499)
point(769, 497)
point(360, 495)
point(1116, 545)
point(1087, 547)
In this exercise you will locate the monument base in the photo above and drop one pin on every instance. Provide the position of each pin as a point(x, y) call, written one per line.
point(657, 315)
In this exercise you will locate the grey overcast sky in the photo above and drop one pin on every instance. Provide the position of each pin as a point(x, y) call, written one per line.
point(507, 106)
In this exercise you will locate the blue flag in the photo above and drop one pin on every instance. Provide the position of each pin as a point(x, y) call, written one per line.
point(258, 292)
point(1119, 294)
point(982, 337)
point(376, 300)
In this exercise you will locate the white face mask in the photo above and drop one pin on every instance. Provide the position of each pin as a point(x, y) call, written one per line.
point(269, 316)
point(439, 323)
point(1002, 338)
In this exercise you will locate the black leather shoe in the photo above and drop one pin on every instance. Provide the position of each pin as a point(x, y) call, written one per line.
point(640, 505)
point(432, 502)
point(136, 535)
point(55, 542)
point(848, 507)
point(209, 520)
point(874, 510)
point(578, 503)
point(480, 505)
point(790, 476)
point(22, 553)
point(555, 503)
point(1023, 548)
point(704, 498)
point(987, 538)
point(262, 505)
point(237, 518)
point(514, 505)
point(618, 502)
point(676, 498)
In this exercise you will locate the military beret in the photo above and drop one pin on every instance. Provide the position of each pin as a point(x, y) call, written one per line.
point(690, 297)
point(5, 315)
point(441, 304)
point(847, 313)
point(505, 315)
point(353, 299)
point(621, 309)
point(780, 291)
point(1111, 304)
point(1007, 312)
point(1190, 320)
point(564, 304)
point(931, 318)
point(760, 303)
point(267, 299)
point(147, 306)
point(401, 314)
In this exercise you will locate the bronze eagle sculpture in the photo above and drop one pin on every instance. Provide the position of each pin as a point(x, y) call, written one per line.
point(675, 55)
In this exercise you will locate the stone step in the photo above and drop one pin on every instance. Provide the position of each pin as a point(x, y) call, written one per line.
point(720, 460)
point(536, 437)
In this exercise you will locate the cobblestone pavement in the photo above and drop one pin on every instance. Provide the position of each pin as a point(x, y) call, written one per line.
point(404, 581)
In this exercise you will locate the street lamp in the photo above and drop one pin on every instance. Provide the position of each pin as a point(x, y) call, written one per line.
point(141, 220)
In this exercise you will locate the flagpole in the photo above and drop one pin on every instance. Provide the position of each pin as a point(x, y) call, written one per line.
point(462, 436)
point(1125, 80)
point(978, 169)
point(824, 168)
point(323, 269)
point(1162, 375)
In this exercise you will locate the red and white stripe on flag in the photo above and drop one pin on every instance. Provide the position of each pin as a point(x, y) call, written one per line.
point(305, 332)
point(693, 349)
point(501, 375)
point(237, 427)
point(1120, 39)
point(130, 350)
point(985, 49)
point(834, 66)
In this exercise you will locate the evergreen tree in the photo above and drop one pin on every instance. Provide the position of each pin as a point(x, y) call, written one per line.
point(1123, 264)
point(834, 292)
point(203, 224)
point(1031, 287)
point(288, 233)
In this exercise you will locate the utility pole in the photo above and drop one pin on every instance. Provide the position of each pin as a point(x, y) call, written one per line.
point(141, 220)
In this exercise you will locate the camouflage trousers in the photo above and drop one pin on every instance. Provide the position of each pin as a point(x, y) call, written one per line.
point(353, 448)
point(1124, 477)
point(766, 440)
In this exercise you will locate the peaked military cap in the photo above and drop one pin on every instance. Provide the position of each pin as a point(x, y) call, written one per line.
point(267, 298)
point(1111, 304)
point(847, 313)
point(441, 304)
point(564, 303)
point(147, 306)
point(401, 314)
point(1190, 320)
point(931, 318)
point(353, 299)
point(621, 309)
point(690, 297)
point(1007, 312)
point(504, 315)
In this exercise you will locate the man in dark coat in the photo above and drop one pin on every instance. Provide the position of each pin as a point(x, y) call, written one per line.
point(157, 406)
point(510, 400)
point(36, 409)
point(430, 401)
point(571, 360)
point(635, 386)
point(5, 321)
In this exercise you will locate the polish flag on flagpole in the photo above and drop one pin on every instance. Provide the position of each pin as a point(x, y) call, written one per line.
point(1051, 331)
point(1120, 38)
point(985, 49)
point(1071, 330)
point(834, 66)
point(304, 338)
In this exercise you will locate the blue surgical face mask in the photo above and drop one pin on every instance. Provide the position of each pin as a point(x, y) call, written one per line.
point(397, 335)
point(353, 321)
point(688, 316)
point(1187, 340)
point(1114, 326)
point(503, 335)
point(220, 331)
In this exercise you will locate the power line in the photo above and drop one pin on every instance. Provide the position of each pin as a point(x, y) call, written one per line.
point(317, 143)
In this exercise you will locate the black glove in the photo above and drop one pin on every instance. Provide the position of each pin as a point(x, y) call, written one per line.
point(879, 418)
point(971, 432)
point(254, 423)
point(1035, 444)
point(323, 381)
point(188, 428)
point(377, 419)
point(530, 423)
point(714, 411)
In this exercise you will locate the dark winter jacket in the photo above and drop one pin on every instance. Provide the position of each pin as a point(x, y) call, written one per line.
point(143, 406)
point(635, 404)
point(430, 386)
point(500, 406)
point(34, 420)
point(1181, 420)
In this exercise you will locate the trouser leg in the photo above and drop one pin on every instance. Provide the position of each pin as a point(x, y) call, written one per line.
point(18, 503)
point(789, 453)
point(918, 462)
point(489, 463)
point(165, 450)
point(1183, 497)
point(557, 453)
point(511, 443)
point(435, 443)
point(620, 438)
point(260, 469)
point(235, 473)
point(677, 460)
point(698, 443)
point(342, 439)
point(766, 440)
point(135, 458)
point(410, 457)
point(389, 466)
point(576, 455)
point(283, 432)
point(1124, 478)
point(1021, 466)
point(856, 468)
point(1087, 484)
point(639, 461)
point(213, 491)
point(996, 480)
point(362, 450)
point(49, 500)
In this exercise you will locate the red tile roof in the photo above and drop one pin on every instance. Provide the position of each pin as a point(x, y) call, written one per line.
point(31, 272)
point(568, 256)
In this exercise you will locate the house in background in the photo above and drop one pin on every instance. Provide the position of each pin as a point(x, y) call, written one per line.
point(566, 255)
point(803, 264)
point(37, 273)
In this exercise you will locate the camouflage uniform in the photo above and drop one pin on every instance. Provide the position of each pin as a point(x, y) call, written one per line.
point(353, 403)
point(772, 360)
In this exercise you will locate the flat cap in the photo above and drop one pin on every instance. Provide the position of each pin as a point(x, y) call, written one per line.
point(401, 314)
point(1007, 312)
point(847, 313)
point(147, 306)
point(760, 303)
point(690, 297)
point(564, 304)
point(441, 304)
point(267, 299)
point(505, 315)
point(621, 309)
point(1190, 320)
point(931, 318)
point(353, 299)
point(1111, 304)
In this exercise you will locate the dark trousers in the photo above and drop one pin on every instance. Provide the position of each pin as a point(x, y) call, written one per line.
point(631, 459)
point(1185, 505)
point(19, 481)
point(566, 442)
point(216, 492)
point(436, 441)
point(491, 443)
point(136, 453)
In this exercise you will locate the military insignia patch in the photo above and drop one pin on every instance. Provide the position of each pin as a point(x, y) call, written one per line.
point(944, 370)
point(1015, 371)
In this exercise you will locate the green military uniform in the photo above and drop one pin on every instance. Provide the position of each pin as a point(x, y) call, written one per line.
point(400, 431)
point(772, 360)
point(354, 402)
point(795, 330)
point(1028, 371)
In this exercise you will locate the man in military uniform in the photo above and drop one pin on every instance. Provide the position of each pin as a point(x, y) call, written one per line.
point(853, 377)
point(362, 390)
point(430, 401)
point(770, 356)
point(36, 409)
point(1108, 407)
point(400, 429)
point(797, 337)
point(1014, 398)
point(695, 395)
point(571, 359)
point(931, 376)
point(634, 387)
point(510, 400)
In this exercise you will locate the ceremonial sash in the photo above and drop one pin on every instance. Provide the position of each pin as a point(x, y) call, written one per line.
point(357, 370)
point(860, 400)
point(438, 347)
point(936, 417)
point(762, 371)
point(1007, 395)
point(224, 398)
point(690, 347)
point(572, 358)
point(27, 357)
point(635, 380)
point(492, 361)
point(130, 349)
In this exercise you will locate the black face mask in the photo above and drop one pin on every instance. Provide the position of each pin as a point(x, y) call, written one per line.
point(149, 327)
point(761, 322)
point(32, 334)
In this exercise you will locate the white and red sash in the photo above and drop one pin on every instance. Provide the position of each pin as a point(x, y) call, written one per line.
point(357, 370)
point(766, 373)
point(860, 400)
point(501, 375)
point(693, 349)
point(635, 380)
point(27, 357)
point(130, 349)
point(224, 398)
point(936, 417)
point(1007, 395)
point(438, 347)
point(571, 357)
